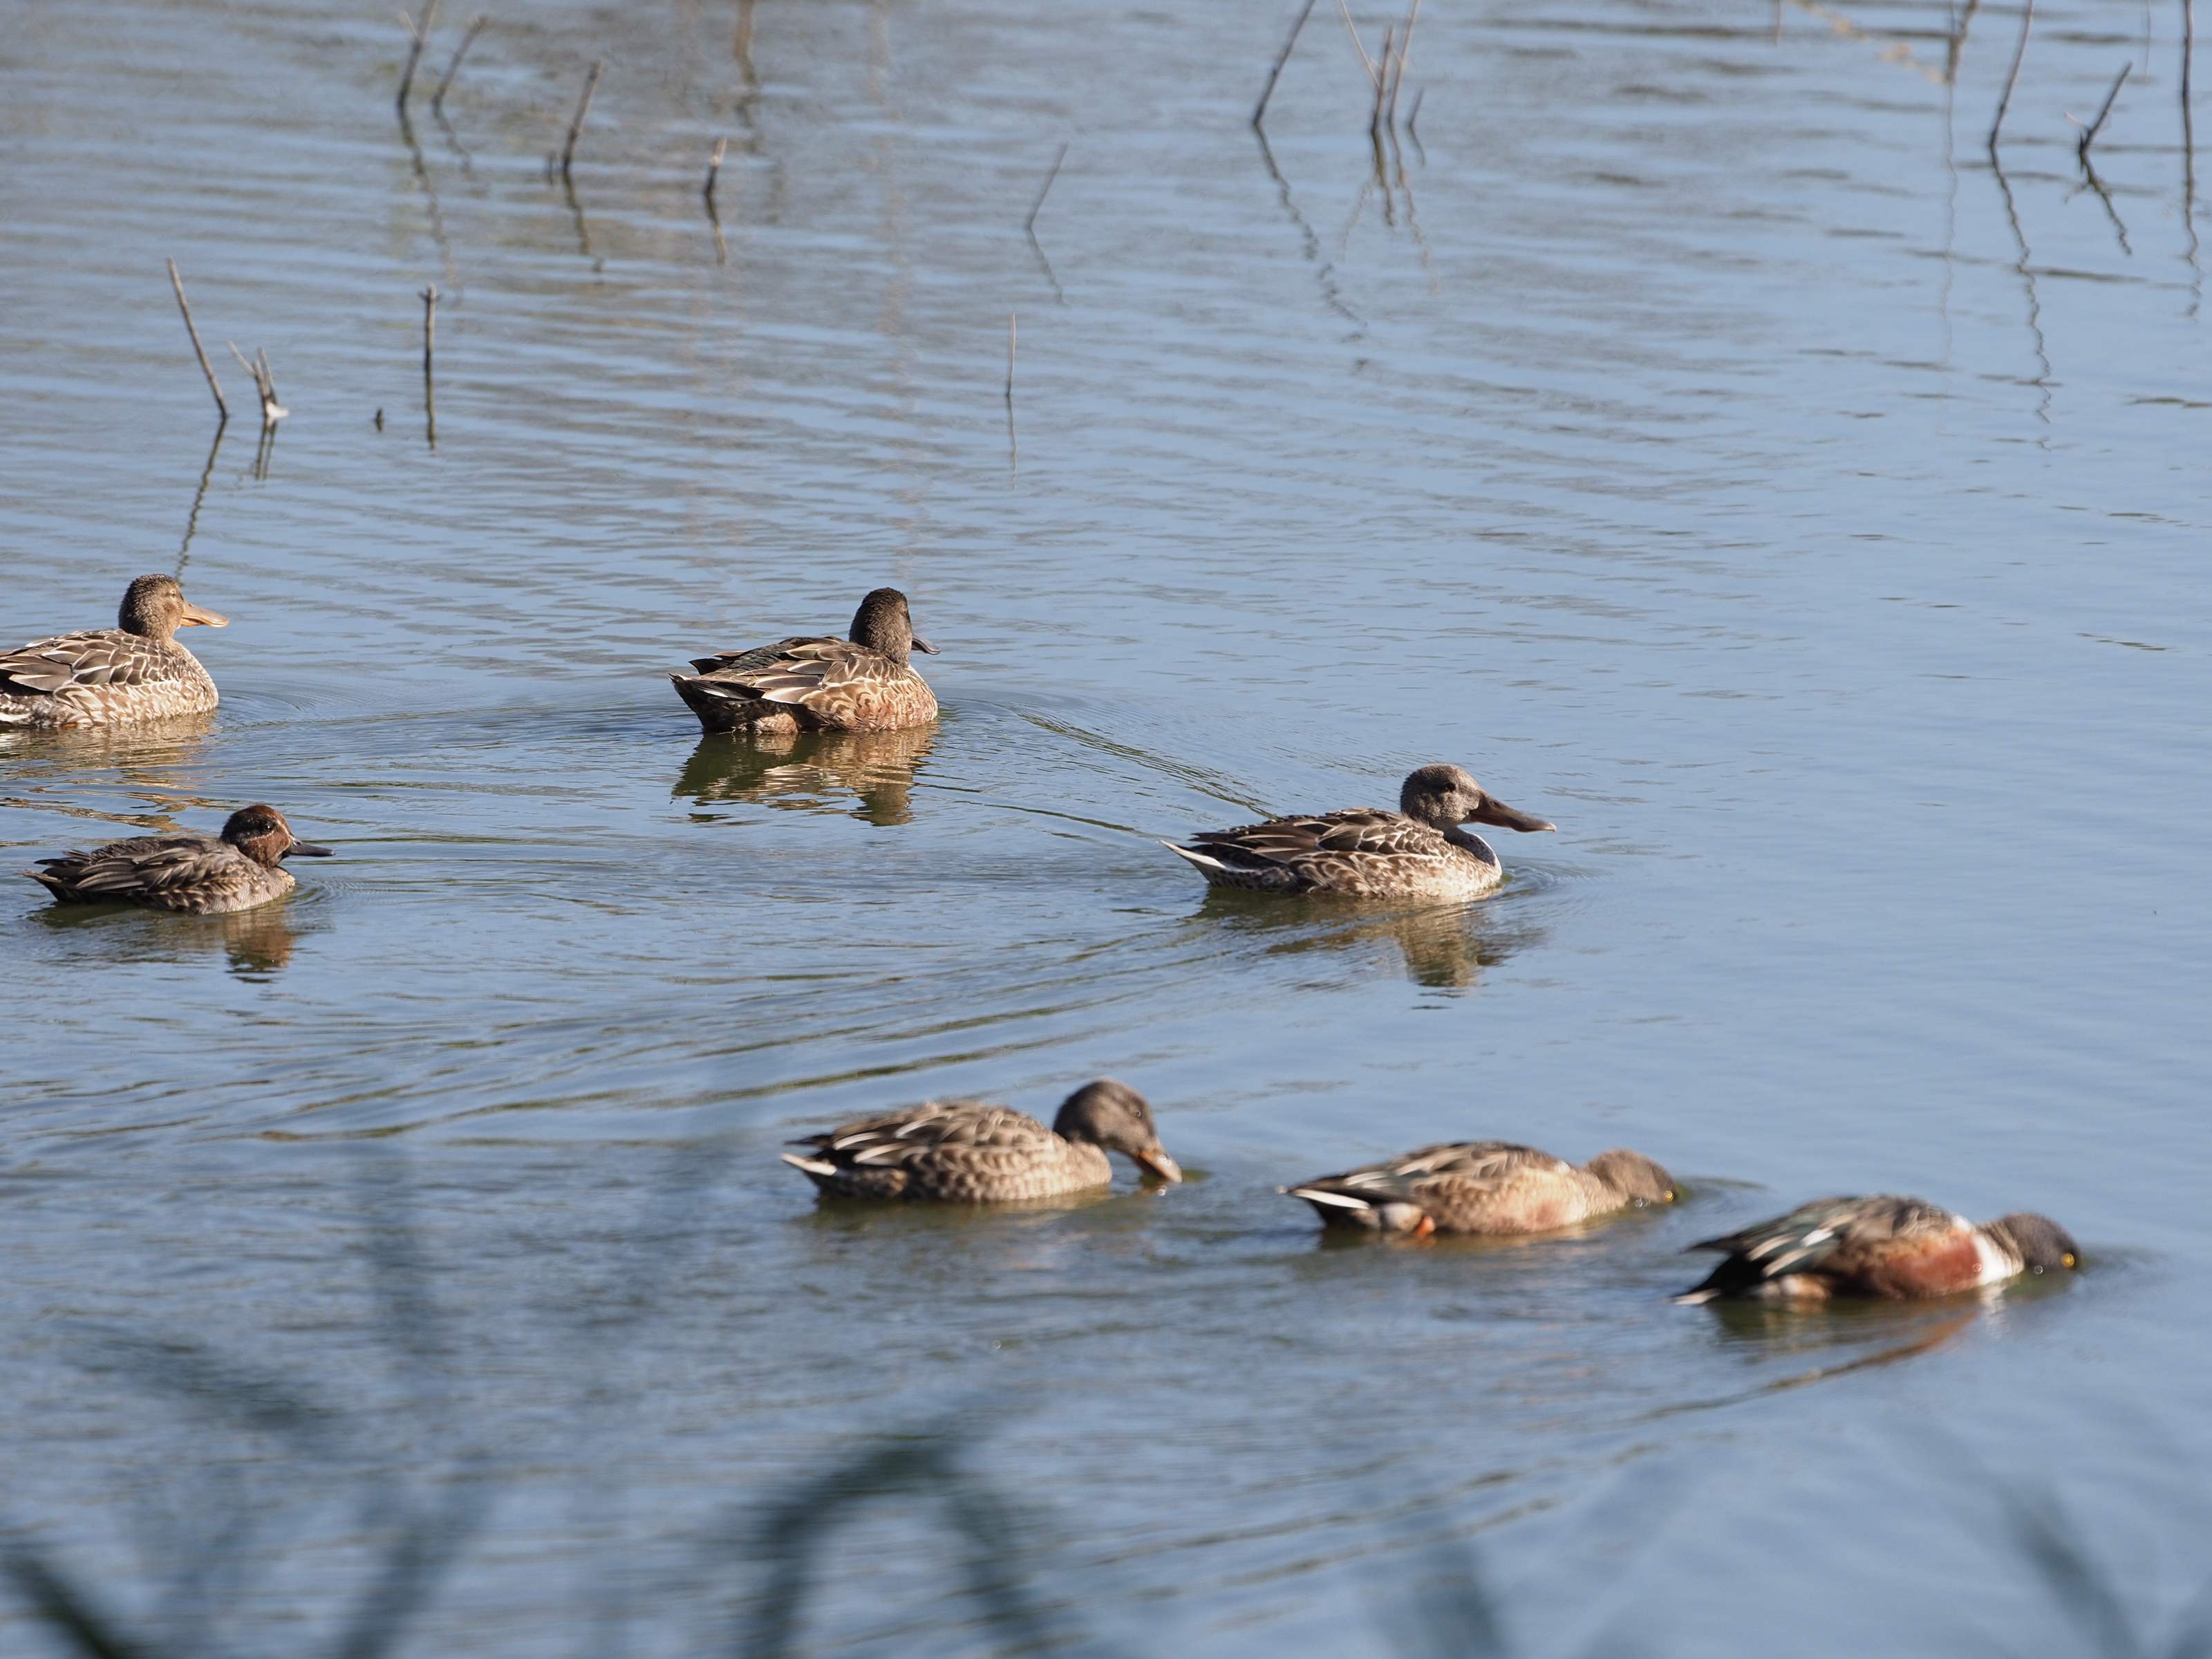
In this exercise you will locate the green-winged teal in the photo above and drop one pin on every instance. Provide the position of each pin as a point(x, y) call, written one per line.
point(1897, 1247)
point(862, 683)
point(1417, 852)
point(1490, 1187)
point(967, 1152)
point(135, 671)
point(197, 875)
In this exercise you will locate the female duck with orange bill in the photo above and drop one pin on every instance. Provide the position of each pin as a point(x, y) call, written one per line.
point(135, 671)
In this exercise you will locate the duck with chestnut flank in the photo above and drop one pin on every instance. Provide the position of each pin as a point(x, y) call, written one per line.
point(809, 683)
point(1417, 852)
point(135, 671)
point(1488, 1187)
point(194, 875)
point(963, 1152)
point(1897, 1247)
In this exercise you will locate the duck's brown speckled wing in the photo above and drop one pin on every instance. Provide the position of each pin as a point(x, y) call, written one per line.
point(958, 1151)
point(97, 656)
point(1362, 831)
point(141, 868)
point(1463, 1186)
point(838, 685)
point(758, 657)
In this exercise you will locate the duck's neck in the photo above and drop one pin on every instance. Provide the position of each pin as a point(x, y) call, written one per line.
point(1466, 842)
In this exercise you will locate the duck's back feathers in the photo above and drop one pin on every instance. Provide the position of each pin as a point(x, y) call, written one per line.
point(197, 875)
point(98, 675)
point(1363, 851)
point(953, 1152)
point(1492, 1187)
point(805, 683)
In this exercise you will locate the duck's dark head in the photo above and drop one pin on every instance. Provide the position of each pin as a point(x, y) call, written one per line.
point(1633, 1174)
point(882, 625)
point(262, 834)
point(1446, 796)
point(2041, 1244)
point(1115, 1116)
point(155, 607)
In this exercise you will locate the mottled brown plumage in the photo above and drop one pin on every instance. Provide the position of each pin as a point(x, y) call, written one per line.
point(1492, 1187)
point(966, 1152)
point(863, 684)
point(1417, 852)
point(135, 671)
point(196, 875)
point(1894, 1247)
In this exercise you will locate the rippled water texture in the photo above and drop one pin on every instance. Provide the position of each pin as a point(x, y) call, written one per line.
point(1690, 433)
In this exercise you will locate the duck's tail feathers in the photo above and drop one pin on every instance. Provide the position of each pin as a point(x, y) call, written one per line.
point(1205, 861)
point(1318, 1196)
point(1698, 1297)
point(818, 1170)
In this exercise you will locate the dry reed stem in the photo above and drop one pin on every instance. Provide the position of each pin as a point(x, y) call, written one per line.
point(583, 108)
point(476, 27)
point(715, 170)
point(2020, 52)
point(2089, 133)
point(264, 383)
point(1357, 45)
point(1010, 362)
point(220, 408)
point(430, 349)
point(420, 38)
point(1274, 74)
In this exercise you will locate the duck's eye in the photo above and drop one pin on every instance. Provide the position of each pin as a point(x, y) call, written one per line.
point(2067, 1259)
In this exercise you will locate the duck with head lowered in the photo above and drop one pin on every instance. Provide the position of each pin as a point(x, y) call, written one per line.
point(194, 875)
point(1417, 852)
point(810, 682)
point(135, 671)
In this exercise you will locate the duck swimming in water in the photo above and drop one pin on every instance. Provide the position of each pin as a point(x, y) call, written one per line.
point(807, 683)
point(193, 875)
point(1897, 1247)
point(135, 671)
point(965, 1152)
point(1491, 1187)
point(1417, 852)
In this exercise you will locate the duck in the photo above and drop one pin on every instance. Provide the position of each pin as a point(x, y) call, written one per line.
point(1900, 1249)
point(1496, 1187)
point(1417, 852)
point(135, 671)
point(965, 1152)
point(191, 875)
point(864, 683)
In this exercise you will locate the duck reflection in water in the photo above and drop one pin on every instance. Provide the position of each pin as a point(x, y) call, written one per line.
point(258, 942)
point(1442, 947)
point(810, 771)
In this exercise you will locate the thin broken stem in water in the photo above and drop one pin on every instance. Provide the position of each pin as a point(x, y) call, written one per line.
point(1374, 75)
point(220, 408)
point(1275, 72)
point(264, 383)
point(714, 170)
point(583, 108)
point(418, 38)
point(2020, 52)
point(430, 353)
point(476, 27)
point(2089, 133)
point(1029, 225)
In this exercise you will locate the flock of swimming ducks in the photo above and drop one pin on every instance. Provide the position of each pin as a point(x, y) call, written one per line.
point(969, 1152)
